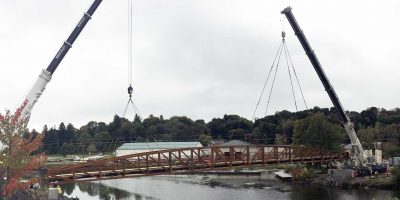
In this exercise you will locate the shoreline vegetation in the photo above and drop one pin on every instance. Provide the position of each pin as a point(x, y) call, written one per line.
point(373, 126)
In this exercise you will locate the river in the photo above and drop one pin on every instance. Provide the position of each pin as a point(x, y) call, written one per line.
point(213, 187)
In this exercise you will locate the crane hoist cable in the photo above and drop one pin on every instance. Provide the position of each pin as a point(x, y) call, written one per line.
point(274, 68)
point(295, 75)
point(273, 81)
point(130, 71)
point(288, 67)
point(266, 81)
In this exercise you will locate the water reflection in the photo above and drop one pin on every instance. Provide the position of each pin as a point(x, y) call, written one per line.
point(68, 189)
point(95, 190)
point(309, 192)
point(300, 192)
point(198, 187)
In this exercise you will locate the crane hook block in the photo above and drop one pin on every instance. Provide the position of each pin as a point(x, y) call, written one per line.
point(130, 90)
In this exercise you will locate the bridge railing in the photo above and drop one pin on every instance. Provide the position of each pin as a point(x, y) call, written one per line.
point(189, 159)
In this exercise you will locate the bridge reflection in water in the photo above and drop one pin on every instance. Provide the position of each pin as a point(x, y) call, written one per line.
point(186, 160)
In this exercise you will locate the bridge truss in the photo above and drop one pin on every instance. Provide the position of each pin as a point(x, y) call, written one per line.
point(186, 160)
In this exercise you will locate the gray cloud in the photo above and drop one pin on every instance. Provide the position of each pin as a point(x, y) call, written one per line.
point(196, 58)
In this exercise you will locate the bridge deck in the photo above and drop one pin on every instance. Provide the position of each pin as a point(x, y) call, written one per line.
point(185, 160)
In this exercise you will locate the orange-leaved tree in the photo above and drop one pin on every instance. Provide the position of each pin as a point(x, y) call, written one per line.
point(17, 153)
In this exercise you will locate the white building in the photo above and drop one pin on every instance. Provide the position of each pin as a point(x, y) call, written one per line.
point(140, 147)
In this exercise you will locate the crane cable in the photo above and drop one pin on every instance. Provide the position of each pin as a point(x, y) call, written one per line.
point(273, 81)
point(130, 32)
point(130, 40)
point(290, 66)
point(295, 75)
point(266, 81)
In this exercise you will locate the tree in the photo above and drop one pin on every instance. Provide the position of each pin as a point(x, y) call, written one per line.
point(71, 133)
point(16, 156)
point(152, 121)
point(180, 128)
point(316, 131)
point(102, 140)
point(67, 149)
point(137, 119)
point(368, 137)
point(62, 134)
point(237, 134)
point(114, 126)
point(218, 128)
point(205, 139)
point(138, 130)
point(91, 128)
point(234, 122)
point(50, 141)
point(84, 141)
point(125, 131)
point(369, 117)
point(265, 132)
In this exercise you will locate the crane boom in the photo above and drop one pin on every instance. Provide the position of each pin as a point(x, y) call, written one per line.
point(46, 74)
point(348, 125)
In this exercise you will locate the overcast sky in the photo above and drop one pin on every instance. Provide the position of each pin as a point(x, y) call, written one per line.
point(199, 58)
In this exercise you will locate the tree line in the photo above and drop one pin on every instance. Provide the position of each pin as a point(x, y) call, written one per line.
point(318, 127)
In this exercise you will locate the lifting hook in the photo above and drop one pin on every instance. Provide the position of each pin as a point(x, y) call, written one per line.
point(130, 90)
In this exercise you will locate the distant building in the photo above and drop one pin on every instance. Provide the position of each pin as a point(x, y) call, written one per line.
point(225, 147)
point(215, 142)
point(394, 161)
point(234, 143)
point(140, 147)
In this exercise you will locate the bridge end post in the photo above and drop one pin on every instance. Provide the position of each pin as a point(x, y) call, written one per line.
point(231, 155)
point(123, 167)
point(73, 173)
point(212, 156)
point(248, 155)
point(276, 154)
point(159, 159)
point(99, 172)
point(147, 163)
point(263, 155)
point(191, 160)
point(170, 161)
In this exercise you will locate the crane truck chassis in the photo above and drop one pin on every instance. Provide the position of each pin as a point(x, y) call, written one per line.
point(359, 161)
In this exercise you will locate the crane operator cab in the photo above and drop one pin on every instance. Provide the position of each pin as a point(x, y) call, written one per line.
point(130, 90)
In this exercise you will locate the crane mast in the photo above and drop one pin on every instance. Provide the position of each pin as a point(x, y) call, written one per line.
point(348, 125)
point(45, 76)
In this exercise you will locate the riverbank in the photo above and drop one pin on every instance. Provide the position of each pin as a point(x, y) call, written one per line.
point(373, 182)
point(318, 177)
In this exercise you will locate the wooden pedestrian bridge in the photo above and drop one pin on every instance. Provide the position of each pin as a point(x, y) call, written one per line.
point(187, 160)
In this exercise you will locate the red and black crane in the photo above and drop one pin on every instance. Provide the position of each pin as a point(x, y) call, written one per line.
point(32, 97)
